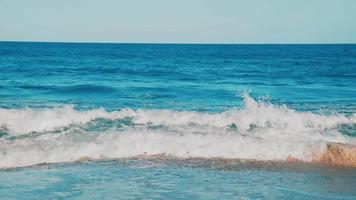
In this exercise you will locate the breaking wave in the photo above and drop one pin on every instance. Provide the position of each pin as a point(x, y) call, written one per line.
point(259, 131)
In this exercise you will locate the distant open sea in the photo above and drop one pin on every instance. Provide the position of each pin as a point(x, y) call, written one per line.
point(175, 121)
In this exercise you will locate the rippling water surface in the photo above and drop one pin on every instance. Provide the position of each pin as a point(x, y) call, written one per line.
point(175, 121)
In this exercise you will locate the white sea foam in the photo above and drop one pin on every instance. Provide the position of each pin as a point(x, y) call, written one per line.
point(52, 148)
point(259, 131)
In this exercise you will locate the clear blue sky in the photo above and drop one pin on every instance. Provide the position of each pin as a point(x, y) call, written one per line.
point(179, 21)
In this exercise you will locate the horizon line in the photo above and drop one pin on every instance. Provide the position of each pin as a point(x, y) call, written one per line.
point(175, 43)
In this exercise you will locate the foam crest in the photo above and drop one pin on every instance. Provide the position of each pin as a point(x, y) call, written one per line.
point(22, 121)
point(259, 131)
point(255, 115)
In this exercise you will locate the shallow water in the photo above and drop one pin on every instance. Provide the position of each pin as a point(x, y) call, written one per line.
point(178, 179)
point(62, 102)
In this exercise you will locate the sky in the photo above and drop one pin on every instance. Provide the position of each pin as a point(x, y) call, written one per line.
point(179, 21)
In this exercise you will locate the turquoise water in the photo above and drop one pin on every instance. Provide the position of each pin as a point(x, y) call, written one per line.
point(172, 121)
point(189, 179)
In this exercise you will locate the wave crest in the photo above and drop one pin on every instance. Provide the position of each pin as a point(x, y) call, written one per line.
point(260, 131)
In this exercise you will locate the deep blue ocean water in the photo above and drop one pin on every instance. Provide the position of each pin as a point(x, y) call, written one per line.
point(160, 120)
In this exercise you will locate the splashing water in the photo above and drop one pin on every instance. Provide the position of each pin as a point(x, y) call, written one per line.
point(259, 131)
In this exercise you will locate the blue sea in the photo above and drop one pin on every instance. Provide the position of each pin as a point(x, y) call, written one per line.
point(175, 121)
